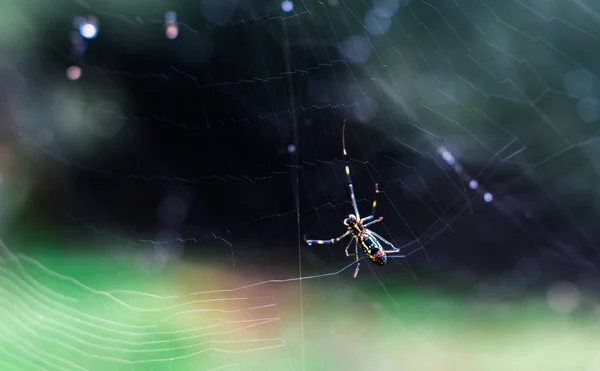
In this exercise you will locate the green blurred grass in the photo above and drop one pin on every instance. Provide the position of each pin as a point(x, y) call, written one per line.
point(52, 322)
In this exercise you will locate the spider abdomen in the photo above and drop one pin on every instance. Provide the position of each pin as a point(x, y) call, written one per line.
point(372, 248)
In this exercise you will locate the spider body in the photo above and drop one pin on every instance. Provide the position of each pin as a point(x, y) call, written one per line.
point(368, 241)
point(371, 247)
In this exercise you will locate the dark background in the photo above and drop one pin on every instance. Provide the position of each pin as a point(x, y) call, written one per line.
point(215, 134)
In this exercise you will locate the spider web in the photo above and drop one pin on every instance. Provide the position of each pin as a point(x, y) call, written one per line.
point(451, 105)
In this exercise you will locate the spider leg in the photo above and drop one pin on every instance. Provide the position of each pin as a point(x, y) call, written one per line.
point(355, 249)
point(355, 253)
point(322, 242)
point(347, 247)
point(357, 262)
point(374, 212)
point(350, 186)
point(394, 248)
point(356, 270)
point(367, 219)
point(373, 222)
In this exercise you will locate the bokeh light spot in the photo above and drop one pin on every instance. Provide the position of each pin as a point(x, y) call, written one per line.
point(73, 73)
point(377, 25)
point(579, 83)
point(88, 30)
point(106, 119)
point(170, 17)
point(387, 8)
point(169, 246)
point(172, 211)
point(357, 49)
point(447, 156)
point(365, 109)
point(488, 197)
point(588, 109)
point(563, 297)
point(172, 31)
point(287, 6)
point(473, 184)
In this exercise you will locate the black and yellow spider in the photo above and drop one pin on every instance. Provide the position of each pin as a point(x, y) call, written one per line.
point(357, 227)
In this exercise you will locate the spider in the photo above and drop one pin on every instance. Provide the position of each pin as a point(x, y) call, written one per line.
point(366, 239)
